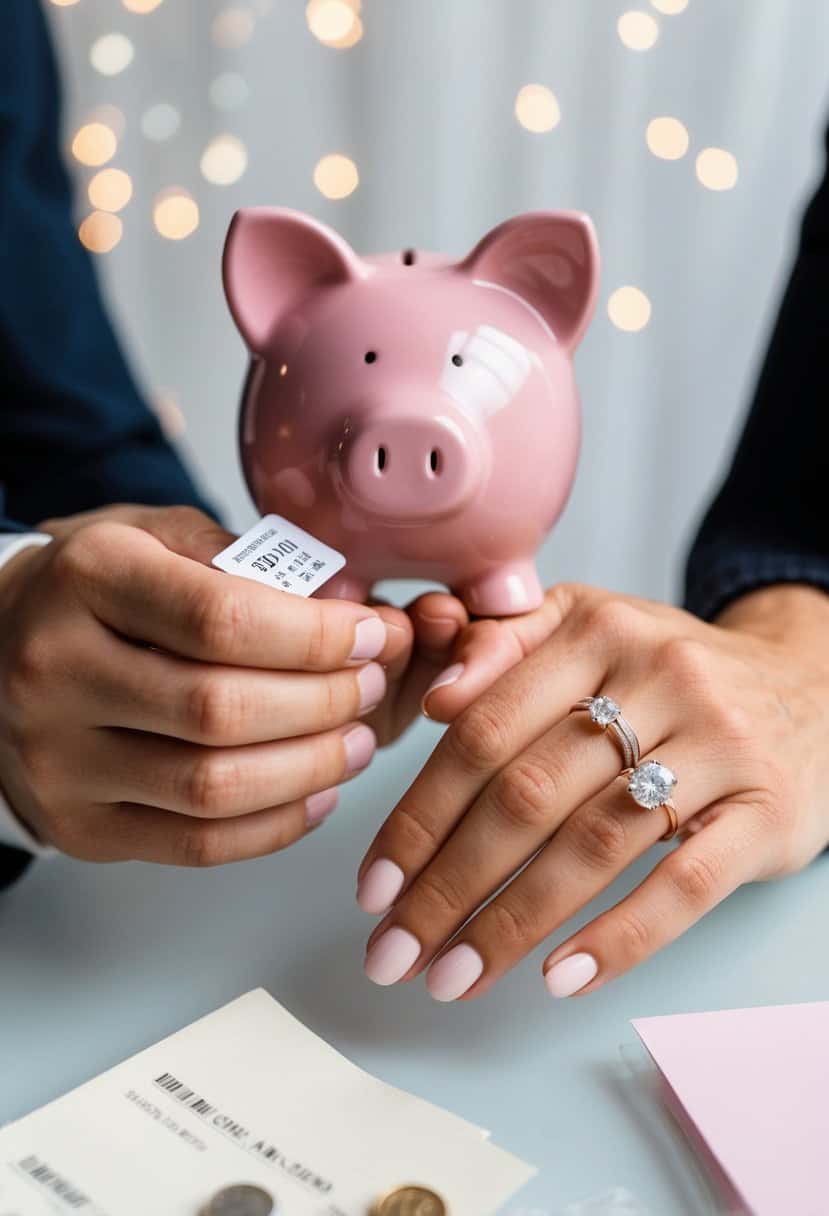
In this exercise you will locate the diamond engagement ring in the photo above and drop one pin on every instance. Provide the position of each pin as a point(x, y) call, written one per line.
point(650, 785)
point(605, 712)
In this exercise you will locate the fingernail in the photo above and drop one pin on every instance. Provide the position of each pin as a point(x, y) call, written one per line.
point(571, 974)
point(391, 956)
point(454, 973)
point(380, 887)
point(360, 744)
point(369, 639)
point(449, 676)
point(319, 806)
point(372, 682)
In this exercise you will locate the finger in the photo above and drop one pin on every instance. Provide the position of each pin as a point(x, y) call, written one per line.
point(515, 814)
point(222, 783)
point(396, 653)
point(505, 720)
point(434, 620)
point(144, 833)
point(591, 848)
point(437, 619)
point(153, 691)
point(689, 882)
point(487, 649)
point(184, 530)
point(138, 587)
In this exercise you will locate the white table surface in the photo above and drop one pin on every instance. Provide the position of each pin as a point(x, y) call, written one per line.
point(97, 962)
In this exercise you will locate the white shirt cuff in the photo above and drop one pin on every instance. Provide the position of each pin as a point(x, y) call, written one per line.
point(12, 831)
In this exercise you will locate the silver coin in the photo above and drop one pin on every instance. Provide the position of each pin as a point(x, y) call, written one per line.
point(241, 1200)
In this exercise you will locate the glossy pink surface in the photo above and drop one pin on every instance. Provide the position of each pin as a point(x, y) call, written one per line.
point(421, 418)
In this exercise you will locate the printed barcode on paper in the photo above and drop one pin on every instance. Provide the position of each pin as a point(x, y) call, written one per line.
point(181, 1093)
point(280, 554)
point(47, 1177)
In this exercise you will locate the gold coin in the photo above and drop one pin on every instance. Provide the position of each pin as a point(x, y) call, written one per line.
point(410, 1201)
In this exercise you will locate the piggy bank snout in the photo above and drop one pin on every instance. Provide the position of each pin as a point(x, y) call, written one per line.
point(412, 468)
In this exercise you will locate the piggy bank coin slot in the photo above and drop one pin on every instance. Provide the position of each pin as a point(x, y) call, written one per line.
point(382, 459)
point(434, 462)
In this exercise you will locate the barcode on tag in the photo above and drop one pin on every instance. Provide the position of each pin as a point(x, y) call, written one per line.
point(279, 554)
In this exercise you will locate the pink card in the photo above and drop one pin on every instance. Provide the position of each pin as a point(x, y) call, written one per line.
point(754, 1085)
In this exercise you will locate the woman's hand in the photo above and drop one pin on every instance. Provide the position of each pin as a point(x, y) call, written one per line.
point(152, 707)
point(522, 792)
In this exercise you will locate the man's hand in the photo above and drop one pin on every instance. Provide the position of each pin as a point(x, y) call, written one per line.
point(152, 707)
point(421, 641)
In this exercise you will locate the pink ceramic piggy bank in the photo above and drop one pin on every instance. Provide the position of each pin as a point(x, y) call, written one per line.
point(415, 412)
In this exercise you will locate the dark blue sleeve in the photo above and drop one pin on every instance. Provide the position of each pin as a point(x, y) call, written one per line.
point(770, 521)
point(74, 431)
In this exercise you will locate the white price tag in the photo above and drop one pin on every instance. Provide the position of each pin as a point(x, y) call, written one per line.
point(279, 554)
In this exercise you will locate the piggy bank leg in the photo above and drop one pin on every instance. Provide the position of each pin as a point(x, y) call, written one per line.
point(345, 586)
point(506, 591)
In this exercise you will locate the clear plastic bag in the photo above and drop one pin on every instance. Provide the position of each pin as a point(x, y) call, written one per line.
point(700, 1188)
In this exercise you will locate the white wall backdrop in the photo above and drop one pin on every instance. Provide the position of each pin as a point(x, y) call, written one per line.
point(423, 103)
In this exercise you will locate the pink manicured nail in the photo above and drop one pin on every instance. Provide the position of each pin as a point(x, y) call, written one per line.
point(372, 682)
point(380, 887)
point(369, 639)
point(360, 743)
point(571, 974)
point(449, 676)
point(391, 956)
point(455, 973)
point(319, 806)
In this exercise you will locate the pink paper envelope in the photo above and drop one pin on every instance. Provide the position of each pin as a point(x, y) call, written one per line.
point(754, 1085)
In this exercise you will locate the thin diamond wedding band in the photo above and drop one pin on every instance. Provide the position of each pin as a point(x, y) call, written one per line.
point(650, 785)
point(605, 712)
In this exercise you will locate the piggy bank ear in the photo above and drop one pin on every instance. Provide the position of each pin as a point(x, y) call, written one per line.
point(272, 259)
point(548, 258)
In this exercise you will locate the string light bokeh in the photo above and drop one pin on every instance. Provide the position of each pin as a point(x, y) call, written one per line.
point(336, 176)
point(111, 54)
point(400, 127)
point(637, 30)
point(175, 214)
point(537, 109)
point(667, 138)
point(94, 144)
point(717, 169)
point(141, 6)
point(110, 190)
point(336, 24)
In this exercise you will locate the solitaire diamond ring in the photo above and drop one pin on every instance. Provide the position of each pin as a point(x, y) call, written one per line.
point(605, 712)
point(651, 785)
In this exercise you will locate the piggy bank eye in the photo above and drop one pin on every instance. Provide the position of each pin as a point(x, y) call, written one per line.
point(457, 360)
point(371, 356)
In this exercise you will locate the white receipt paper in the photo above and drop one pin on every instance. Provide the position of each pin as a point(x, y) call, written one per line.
point(244, 1095)
point(280, 554)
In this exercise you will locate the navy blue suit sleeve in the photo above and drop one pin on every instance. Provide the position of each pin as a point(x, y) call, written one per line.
point(770, 521)
point(74, 431)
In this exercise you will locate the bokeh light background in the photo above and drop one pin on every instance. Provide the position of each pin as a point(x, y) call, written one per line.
point(688, 129)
